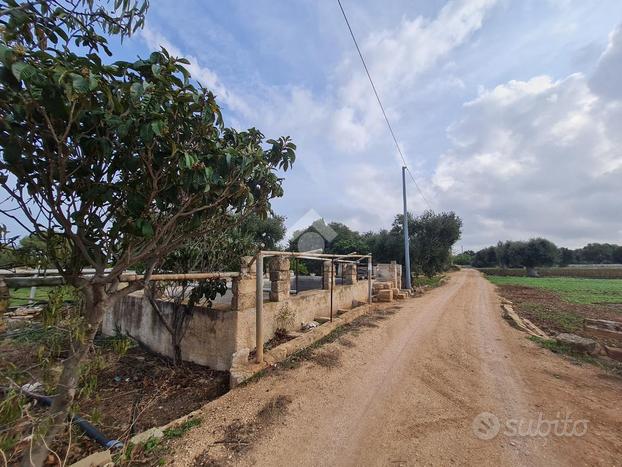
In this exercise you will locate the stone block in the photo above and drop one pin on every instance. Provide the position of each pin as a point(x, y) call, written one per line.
point(578, 343)
point(385, 295)
point(243, 285)
point(279, 296)
point(279, 286)
point(279, 263)
point(243, 301)
point(349, 274)
point(280, 275)
point(381, 285)
point(399, 296)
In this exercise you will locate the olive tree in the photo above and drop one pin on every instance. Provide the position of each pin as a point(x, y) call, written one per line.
point(124, 160)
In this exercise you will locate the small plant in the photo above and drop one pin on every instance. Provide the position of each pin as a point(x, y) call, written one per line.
point(52, 312)
point(122, 344)
point(151, 444)
point(88, 375)
point(179, 431)
point(285, 318)
point(12, 409)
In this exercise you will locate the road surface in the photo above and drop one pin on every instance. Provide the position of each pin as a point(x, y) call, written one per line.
point(442, 380)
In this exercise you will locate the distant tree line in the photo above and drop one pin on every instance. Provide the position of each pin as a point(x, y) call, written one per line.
point(539, 252)
point(432, 235)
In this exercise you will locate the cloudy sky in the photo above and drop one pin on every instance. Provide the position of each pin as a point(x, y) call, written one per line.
point(509, 112)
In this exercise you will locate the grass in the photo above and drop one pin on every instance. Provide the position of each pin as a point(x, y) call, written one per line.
point(574, 290)
point(611, 367)
point(565, 321)
point(420, 281)
point(20, 297)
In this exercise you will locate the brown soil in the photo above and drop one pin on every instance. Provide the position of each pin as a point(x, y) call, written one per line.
point(280, 337)
point(134, 392)
point(408, 392)
point(553, 314)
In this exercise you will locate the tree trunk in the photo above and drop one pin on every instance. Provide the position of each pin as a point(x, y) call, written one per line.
point(96, 302)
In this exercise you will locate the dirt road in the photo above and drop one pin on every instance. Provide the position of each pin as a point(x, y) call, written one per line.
point(407, 389)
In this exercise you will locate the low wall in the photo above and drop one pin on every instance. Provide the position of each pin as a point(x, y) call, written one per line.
point(213, 336)
point(209, 340)
point(297, 310)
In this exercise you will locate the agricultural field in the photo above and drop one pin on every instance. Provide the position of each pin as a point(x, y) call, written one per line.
point(578, 272)
point(560, 304)
point(571, 289)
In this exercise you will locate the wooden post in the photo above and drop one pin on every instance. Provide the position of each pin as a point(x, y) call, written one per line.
point(259, 309)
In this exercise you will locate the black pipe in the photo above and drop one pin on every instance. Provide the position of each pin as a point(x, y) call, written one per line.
point(88, 429)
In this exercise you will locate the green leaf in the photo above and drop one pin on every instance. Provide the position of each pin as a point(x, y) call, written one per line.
point(136, 90)
point(80, 83)
point(93, 83)
point(6, 54)
point(22, 71)
point(157, 127)
point(147, 229)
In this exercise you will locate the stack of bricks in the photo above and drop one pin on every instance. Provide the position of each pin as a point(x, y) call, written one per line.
point(279, 278)
point(328, 275)
point(349, 274)
point(243, 287)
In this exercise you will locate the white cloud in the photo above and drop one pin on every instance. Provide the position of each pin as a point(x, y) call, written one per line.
point(208, 78)
point(539, 158)
point(396, 58)
point(606, 79)
point(530, 156)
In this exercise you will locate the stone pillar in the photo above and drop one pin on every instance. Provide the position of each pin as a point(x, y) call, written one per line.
point(327, 277)
point(349, 274)
point(395, 277)
point(279, 278)
point(243, 287)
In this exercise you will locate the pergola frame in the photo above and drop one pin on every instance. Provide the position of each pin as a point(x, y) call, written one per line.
point(352, 258)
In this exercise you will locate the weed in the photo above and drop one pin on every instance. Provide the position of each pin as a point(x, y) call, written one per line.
point(151, 444)
point(432, 282)
point(285, 317)
point(179, 431)
point(578, 357)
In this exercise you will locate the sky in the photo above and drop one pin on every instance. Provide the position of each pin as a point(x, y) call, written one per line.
point(509, 112)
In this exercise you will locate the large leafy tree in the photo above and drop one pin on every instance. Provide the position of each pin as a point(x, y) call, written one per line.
point(124, 160)
point(432, 235)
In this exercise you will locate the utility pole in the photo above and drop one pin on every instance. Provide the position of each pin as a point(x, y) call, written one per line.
point(407, 283)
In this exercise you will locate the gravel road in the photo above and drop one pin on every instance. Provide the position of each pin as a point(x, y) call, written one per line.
point(407, 388)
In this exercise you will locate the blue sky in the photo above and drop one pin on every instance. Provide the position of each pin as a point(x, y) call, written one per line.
point(509, 111)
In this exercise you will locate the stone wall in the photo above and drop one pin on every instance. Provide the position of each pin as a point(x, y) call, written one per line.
point(213, 336)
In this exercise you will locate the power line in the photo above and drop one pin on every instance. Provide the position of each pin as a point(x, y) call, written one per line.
point(386, 119)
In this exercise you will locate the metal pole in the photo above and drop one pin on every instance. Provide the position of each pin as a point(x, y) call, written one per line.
point(407, 283)
point(332, 278)
point(259, 310)
point(369, 271)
